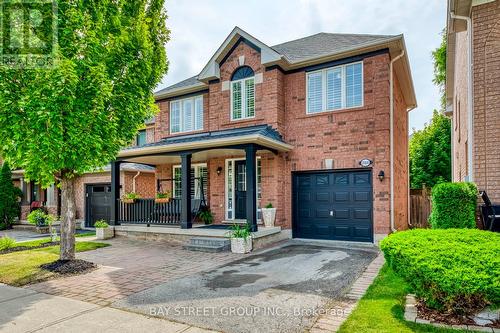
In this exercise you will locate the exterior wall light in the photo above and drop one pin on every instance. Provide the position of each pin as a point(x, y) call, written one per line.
point(219, 170)
point(381, 175)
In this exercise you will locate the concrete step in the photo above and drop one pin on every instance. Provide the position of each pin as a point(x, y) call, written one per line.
point(208, 244)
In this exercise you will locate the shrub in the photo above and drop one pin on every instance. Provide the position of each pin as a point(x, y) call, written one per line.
point(453, 270)
point(163, 195)
point(131, 196)
point(101, 224)
point(454, 206)
point(206, 215)
point(41, 219)
point(269, 205)
point(238, 231)
point(6, 243)
point(9, 206)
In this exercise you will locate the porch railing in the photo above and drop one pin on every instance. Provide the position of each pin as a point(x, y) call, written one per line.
point(147, 211)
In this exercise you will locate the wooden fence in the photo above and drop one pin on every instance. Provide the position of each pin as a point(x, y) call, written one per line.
point(420, 208)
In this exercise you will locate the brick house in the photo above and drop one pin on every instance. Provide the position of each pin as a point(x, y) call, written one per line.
point(473, 91)
point(316, 126)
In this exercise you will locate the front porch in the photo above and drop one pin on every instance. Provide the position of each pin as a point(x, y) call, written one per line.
point(200, 170)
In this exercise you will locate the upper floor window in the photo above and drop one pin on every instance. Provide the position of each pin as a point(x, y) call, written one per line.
point(335, 88)
point(243, 93)
point(186, 114)
point(141, 138)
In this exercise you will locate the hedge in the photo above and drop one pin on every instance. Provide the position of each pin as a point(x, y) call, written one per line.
point(453, 206)
point(452, 270)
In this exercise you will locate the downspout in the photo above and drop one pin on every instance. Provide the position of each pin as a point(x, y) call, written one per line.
point(133, 181)
point(391, 132)
point(470, 100)
point(408, 161)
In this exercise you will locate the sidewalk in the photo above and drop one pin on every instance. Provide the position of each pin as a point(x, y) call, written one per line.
point(25, 310)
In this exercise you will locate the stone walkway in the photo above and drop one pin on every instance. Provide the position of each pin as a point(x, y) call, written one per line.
point(130, 266)
point(338, 312)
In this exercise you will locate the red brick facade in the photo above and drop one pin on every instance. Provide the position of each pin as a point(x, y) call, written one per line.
point(346, 136)
point(486, 99)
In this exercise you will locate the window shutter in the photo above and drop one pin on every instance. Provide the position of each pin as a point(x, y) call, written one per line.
point(250, 97)
point(188, 117)
point(334, 88)
point(314, 92)
point(354, 85)
point(237, 99)
point(198, 114)
point(175, 117)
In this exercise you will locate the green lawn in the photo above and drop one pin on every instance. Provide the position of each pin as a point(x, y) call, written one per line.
point(381, 309)
point(23, 267)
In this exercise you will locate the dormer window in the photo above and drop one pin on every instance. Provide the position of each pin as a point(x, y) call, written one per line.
point(243, 93)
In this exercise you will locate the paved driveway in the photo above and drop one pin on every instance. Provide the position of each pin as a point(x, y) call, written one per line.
point(280, 290)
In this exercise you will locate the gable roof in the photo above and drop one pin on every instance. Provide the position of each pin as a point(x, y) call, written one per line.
point(307, 51)
point(322, 44)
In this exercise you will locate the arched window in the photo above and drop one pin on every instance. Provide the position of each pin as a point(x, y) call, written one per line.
point(242, 93)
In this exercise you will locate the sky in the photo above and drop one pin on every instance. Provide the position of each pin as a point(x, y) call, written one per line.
point(198, 28)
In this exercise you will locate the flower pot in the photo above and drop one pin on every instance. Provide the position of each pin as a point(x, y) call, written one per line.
point(241, 245)
point(162, 200)
point(269, 216)
point(128, 201)
point(104, 233)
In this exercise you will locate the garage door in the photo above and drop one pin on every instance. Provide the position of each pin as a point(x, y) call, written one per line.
point(98, 203)
point(333, 205)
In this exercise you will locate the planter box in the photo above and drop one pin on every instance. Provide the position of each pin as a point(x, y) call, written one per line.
point(162, 200)
point(105, 233)
point(269, 216)
point(241, 245)
point(128, 201)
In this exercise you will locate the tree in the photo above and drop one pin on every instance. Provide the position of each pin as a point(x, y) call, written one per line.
point(9, 207)
point(439, 58)
point(430, 153)
point(62, 121)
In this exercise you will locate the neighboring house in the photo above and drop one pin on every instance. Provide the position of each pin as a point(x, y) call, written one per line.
point(305, 125)
point(473, 91)
point(92, 192)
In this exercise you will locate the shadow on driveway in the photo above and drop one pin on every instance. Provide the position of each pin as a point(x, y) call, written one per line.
point(280, 290)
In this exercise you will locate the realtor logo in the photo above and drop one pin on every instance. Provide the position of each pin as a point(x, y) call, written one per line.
point(28, 30)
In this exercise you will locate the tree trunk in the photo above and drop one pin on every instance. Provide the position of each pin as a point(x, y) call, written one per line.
point(68, 218)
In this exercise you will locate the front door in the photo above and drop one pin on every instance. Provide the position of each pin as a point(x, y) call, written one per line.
point(240, 190)
point(98, 203)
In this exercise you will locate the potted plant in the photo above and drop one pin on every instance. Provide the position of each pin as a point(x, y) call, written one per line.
point(103, 231)
point(269, 215)
point(130, 198)
point(241, 238)
point(163, 197)
point(41, 220)
point(206, 216)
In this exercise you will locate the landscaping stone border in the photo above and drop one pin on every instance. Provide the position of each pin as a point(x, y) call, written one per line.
point(339, 311)
point(411, 315)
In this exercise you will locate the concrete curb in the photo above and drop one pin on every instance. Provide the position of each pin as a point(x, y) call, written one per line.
point(412, 316)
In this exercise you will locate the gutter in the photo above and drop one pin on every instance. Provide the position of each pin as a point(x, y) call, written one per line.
point(470, 98)
point(391, 132)
point(133, 181)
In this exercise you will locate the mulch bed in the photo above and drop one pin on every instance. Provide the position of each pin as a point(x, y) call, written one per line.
point(446, 318)
point(24, 248)
point(70, 267)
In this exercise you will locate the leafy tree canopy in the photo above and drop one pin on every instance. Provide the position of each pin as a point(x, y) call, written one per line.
point(439, 58)
point(76, 116)
point(430, 153)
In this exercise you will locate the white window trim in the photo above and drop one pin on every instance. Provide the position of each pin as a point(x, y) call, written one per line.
point(181, 115)
point(196, 167)
point(243, 98)
point(343, 88)
point(226, 185)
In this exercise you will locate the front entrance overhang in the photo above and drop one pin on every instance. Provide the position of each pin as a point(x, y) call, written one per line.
point(203, 149)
